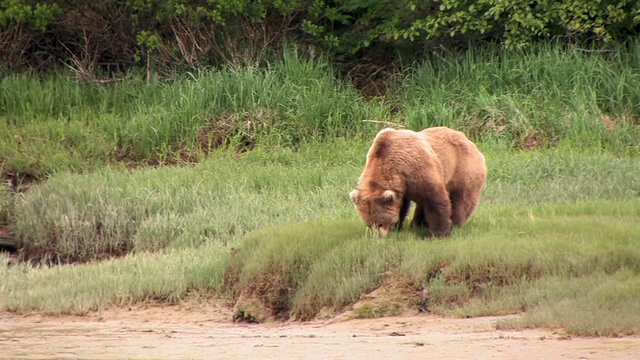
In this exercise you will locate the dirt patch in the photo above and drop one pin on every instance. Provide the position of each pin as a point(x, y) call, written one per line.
point(394, 297)
point(206, 332)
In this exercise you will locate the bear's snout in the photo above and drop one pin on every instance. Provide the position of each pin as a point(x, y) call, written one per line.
point(384, 230)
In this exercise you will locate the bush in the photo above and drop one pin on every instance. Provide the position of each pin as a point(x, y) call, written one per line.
point(160, 35)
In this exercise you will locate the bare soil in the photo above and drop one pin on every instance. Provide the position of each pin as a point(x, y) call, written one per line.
point(207, 332)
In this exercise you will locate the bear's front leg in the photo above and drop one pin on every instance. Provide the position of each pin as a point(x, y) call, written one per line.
point(404, 209)
point(419, 217)
point(437, 213)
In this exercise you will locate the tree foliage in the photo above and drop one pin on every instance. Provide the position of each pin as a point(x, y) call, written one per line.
point(113, 33)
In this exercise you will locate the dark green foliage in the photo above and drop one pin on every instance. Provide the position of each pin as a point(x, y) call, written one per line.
point(520, 23)
point(165, 35)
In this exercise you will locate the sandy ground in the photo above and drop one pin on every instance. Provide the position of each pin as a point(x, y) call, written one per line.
point(208, 333)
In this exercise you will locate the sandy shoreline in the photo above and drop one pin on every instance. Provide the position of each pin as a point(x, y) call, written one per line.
point(207, 333)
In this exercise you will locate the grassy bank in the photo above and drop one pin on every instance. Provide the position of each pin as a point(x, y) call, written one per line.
point(565, 265)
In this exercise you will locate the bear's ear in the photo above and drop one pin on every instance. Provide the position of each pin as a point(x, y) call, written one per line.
point(388, 196)
point(355, 196)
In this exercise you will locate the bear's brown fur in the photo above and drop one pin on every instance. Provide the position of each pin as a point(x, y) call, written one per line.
point(438, 168)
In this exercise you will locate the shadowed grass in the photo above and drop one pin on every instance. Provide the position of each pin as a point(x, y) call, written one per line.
point(7, 203)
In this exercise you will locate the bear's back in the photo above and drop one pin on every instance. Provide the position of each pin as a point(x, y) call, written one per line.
point(390, 143)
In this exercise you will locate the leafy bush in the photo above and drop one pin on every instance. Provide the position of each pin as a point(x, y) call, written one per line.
point(163, 35)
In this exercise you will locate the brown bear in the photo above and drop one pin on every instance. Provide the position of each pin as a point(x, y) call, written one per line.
point(438, 168)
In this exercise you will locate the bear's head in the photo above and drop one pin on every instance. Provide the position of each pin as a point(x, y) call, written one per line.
point(380, 210)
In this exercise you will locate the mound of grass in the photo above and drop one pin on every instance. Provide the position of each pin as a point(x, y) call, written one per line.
point(302, 270)
point(265, 275)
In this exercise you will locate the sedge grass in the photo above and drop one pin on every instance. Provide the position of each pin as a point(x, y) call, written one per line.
point(58, 124)
point(218, 200)
point(546, 94)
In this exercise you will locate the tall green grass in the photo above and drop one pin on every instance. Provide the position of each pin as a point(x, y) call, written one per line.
point(546, 96)
point(538, 97)
point(56, 123)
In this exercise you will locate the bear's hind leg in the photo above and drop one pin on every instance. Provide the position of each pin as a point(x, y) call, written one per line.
point(463, 205)
point(439, 220)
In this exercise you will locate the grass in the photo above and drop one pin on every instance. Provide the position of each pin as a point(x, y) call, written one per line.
point(7, 203)
point(518, 264)
point(293, 227)
point(539, 98)
point(270, 227)
point(561, 174)
point(563, 265)
point(582, 311)
point(533, 98)
point(57, 124)
point(165, 277)
point(218, 200)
